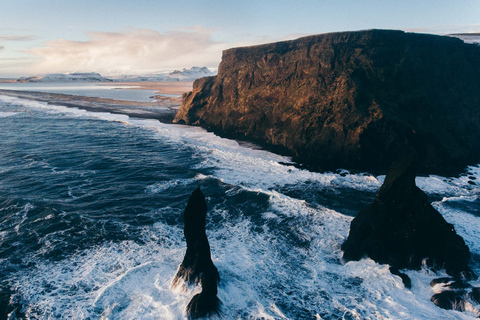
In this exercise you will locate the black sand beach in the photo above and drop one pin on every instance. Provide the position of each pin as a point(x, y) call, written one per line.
point(164, 108)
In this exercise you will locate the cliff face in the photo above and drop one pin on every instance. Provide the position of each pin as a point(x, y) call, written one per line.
point(355, 100)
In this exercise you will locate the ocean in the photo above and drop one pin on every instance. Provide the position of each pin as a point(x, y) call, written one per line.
point(91, 224)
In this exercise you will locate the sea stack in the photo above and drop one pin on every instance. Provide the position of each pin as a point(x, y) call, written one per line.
point(402, 229)
point(197, 265)
point(353, 100)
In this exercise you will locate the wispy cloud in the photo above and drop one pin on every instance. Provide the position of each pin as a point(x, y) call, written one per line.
point(9, 67)
point(447, 29)
point(133, 50)
point(9, 37)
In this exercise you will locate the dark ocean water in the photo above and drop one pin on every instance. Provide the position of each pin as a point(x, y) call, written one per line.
point(91, 224)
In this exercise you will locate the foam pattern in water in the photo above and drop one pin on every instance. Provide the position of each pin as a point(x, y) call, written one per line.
point(274, 241)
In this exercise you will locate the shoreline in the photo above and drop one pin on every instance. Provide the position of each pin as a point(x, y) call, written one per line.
point(160, 87)
point(163, 109)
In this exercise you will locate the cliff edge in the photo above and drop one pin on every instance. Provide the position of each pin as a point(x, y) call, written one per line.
point(354, 100)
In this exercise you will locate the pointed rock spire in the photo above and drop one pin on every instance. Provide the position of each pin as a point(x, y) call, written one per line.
point(197, 265)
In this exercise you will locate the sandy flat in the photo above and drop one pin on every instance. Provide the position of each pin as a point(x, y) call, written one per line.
point(166, 87)
point(163, 109)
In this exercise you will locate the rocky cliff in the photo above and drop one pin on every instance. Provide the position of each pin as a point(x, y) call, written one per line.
point(353, 100)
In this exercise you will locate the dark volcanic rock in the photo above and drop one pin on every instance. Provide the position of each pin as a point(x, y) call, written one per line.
point(453, 295)
point(355, 100)
point(197, 265)
point(451, 283)
point(475, 294)
point(401, 228)
point(450, 300)
point(205, 303)
point(405, 279)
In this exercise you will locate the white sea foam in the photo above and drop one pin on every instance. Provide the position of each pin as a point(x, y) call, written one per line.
point(380, 294)
point(114, 281)
point(7, 114)
point(72, 111)
point(464, 185)
point(167, 184)
point(21, 216)
point(260, 271)
point(251, 167)
point(466, 224)
point(7, 99)
point(263, 274)
point(255, 168)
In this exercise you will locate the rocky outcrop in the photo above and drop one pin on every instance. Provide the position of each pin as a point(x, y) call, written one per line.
point(451, 294)
point(355, 100)
point(450, 300)
point(197, 265)
point(402, 229)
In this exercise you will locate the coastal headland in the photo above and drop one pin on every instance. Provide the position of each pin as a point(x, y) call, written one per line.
point(353, 100)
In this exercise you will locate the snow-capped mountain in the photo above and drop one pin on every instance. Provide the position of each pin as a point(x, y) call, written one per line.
point(192, 73)
point(177, 75)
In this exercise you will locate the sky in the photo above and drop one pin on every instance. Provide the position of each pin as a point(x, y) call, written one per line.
point(148, 36)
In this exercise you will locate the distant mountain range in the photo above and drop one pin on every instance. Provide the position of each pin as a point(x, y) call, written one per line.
point(68, 77)
point(177, 75)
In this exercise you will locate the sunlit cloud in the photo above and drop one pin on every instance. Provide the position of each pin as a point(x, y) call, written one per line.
point(131, 51)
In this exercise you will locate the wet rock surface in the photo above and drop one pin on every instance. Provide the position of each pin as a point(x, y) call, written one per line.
point(454, 294)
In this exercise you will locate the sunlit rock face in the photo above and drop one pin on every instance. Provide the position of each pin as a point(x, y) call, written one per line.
point(355, 100)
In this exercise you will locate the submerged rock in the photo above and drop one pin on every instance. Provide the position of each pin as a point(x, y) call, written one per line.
point(451, 294)
point(402, 229)
point(450, 300)
point(405, 279)
point(354, 100)
point(197, 265)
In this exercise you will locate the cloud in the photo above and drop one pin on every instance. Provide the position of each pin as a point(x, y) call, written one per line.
point(16, 38)
point(1, 48)
point(131, 51)
point(447, 29)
